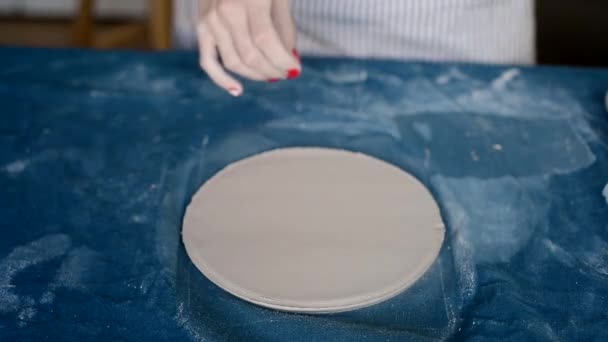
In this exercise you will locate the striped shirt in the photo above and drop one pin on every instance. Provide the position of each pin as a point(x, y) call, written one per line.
point(487, 31)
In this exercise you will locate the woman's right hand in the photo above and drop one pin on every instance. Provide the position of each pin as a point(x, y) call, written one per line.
point(253, 38)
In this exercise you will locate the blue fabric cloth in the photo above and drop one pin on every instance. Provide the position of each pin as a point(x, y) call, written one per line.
point(100, 153)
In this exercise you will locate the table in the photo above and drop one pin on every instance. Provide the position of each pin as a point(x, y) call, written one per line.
point(100, 153)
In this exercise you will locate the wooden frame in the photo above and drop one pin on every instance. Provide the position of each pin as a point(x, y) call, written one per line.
point(157, 28)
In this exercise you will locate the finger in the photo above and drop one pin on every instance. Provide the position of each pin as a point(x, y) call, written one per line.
point(269, 43)
point(283, 21)
point(230, 57)
point(235, 18)
point(209, 63)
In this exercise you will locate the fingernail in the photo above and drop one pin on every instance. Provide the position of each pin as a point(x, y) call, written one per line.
point(296, 54)
point(293, 73)
point(272, 80)
point(234, 91)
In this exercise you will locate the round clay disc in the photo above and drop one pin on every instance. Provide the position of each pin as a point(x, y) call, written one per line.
point(313, 230)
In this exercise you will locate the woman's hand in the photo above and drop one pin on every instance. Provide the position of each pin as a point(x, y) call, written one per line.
point(254, 38)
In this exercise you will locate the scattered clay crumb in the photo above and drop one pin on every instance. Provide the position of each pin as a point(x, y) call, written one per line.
point(474, 156)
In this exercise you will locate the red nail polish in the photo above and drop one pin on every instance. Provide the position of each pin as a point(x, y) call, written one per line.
point(296, 54)
point(273, 80)
point(293, 73)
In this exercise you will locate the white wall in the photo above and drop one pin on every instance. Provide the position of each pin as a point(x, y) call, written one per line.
point(66, 8)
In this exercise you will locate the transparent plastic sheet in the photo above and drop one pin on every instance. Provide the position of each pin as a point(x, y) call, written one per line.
point(516, 158)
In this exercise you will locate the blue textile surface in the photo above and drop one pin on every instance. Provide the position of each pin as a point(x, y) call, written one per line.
point(100, 153)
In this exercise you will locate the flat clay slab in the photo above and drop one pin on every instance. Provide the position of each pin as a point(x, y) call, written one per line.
point(313, 230)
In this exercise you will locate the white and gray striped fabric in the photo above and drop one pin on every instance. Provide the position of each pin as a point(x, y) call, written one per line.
point(487, 31)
